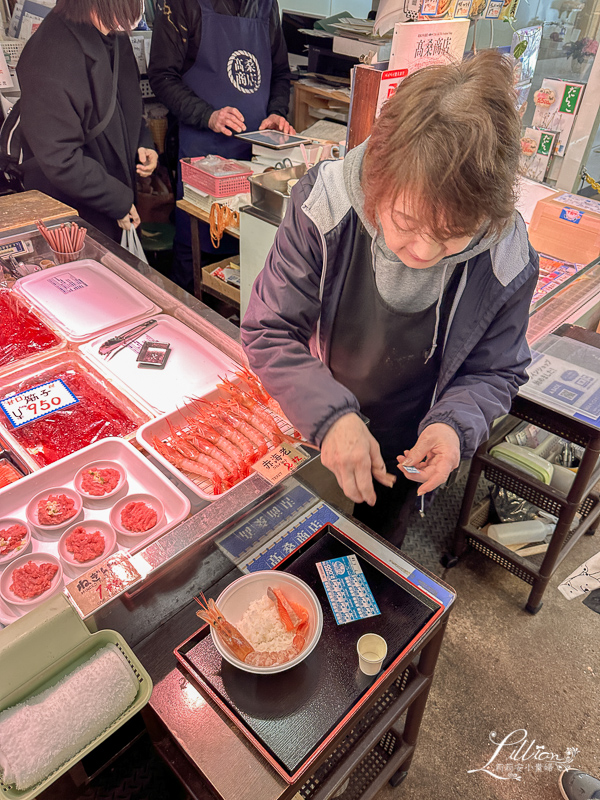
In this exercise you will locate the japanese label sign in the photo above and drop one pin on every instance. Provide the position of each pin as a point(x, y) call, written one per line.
point(579, 202)
point(494, 7)
point(570, 98)
point(347, 589)
point(545, 145)
point(67, 283)
point(260, 526)
point(462, 9)
point(279, 463)
point(289, 541)
point(571, 215)
point(99, 584)
point(37, 402)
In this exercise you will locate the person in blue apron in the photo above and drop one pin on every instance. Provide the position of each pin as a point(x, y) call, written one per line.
point(221, 68)
point(390, 318)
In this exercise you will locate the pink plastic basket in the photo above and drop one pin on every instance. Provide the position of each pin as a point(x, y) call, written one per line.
point(193, 174)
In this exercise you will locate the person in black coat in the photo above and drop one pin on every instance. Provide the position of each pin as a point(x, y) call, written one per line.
point(66, 78)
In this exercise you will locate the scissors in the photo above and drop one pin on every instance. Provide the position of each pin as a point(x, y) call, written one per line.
point(283, 164)
point(111, 347)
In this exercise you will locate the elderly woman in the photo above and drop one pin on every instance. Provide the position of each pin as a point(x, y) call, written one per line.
point(81, 111)
point(398, 288)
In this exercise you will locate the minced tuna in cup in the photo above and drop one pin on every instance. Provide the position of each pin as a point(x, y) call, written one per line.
point(32, 579)
point(98, 482)
point(85, 545)
point(138, 517)
point(56, 509)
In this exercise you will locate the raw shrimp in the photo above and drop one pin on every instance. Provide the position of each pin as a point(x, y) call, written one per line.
point(195, 444)
point(224, 444)
point(186, 464)
point(258, 439)
point(293, 615)
point(207, 414)
point(241, 647)
point(259, 416)
point(261, 393)
point(229, 634)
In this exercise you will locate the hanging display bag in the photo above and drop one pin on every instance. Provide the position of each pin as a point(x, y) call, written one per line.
point(131, 241)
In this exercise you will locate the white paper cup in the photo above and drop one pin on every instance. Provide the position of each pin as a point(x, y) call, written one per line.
point(372, 649)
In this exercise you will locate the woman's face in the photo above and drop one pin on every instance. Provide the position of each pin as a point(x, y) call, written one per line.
point(410, 241)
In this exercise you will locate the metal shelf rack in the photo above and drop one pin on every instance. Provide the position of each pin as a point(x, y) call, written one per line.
point(535, 570)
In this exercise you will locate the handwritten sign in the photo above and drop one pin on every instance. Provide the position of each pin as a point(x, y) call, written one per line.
point(37, 402)
point(99, 584)
point(279, 463)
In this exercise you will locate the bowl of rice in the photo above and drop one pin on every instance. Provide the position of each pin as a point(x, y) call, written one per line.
point(246, 605)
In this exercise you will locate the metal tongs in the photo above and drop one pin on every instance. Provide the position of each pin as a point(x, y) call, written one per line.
point(113, 346)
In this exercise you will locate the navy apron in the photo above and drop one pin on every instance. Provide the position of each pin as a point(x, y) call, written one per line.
point(233, 68)
point(381, 355)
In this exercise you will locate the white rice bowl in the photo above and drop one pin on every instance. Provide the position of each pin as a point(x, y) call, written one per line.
point(263, 628)
point(245, 604)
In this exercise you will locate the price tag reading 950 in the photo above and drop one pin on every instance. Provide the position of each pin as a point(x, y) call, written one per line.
point(39, 401)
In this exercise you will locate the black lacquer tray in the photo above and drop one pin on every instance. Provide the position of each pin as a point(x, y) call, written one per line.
point(291, 716)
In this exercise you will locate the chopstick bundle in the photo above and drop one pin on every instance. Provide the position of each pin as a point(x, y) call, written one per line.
point(68, 239)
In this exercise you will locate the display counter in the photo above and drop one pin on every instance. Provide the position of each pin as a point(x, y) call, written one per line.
point(145, 589)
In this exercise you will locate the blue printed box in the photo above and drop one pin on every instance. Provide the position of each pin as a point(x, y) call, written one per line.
point(347, 589)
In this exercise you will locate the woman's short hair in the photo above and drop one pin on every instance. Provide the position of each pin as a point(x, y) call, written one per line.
point(449, 140)
point(111, 14)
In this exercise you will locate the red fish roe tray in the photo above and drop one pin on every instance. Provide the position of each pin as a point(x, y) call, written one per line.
point(32, 579)
point(99, 482)
point(85, 545)
point(22, 334)
point(96, 416)
point(12, 538)
point(138, 517)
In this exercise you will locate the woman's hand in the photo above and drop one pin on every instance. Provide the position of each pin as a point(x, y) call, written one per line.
point(275, 122)
point(436, 454)
point(148, 160)
point(353, 456)
point(227, 120)
point(131, 218)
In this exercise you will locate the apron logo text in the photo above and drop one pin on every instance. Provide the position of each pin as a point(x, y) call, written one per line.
point(243, 71)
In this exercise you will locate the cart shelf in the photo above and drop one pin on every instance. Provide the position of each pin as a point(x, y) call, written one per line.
point(534, 570)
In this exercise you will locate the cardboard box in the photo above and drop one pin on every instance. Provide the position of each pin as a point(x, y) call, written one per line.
point(567, 226)
point(216, 284)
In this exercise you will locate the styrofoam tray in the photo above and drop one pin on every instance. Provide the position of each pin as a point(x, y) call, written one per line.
point(142, 476)
point(84, 298)
point(42, 371)
point(160, 428)
point(193, 367)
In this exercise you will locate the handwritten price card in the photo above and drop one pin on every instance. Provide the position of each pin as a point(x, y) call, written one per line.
point(37, 402)
point(99, 584)
point(278, 464)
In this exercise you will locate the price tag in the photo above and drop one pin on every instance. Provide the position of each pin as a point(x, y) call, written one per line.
point(37, 402)
point(279, 463)
point(99, 584)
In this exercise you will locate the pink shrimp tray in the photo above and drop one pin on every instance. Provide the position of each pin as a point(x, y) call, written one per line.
point(160, 428)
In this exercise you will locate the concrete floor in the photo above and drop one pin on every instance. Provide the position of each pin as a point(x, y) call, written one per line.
point(501, 669)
